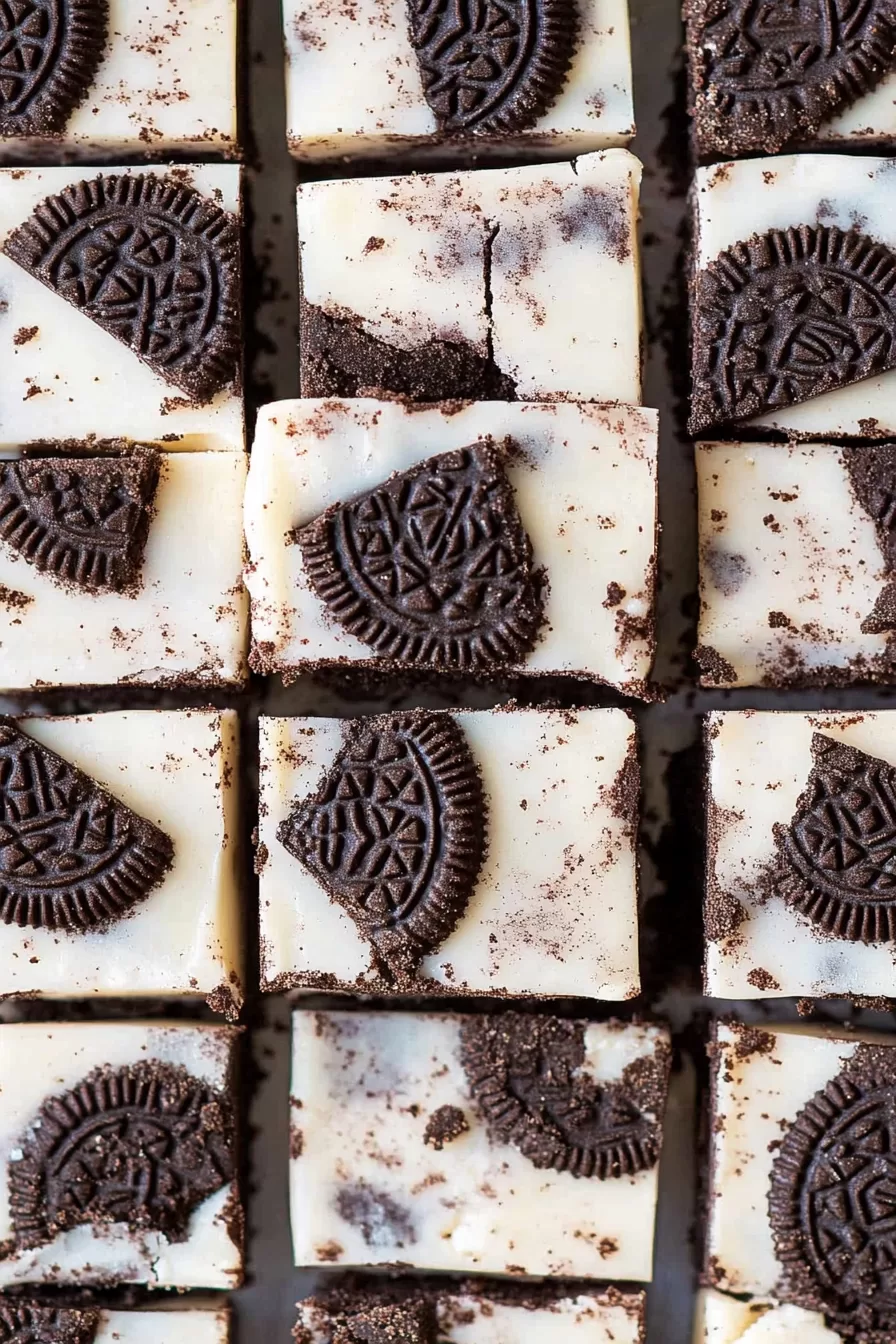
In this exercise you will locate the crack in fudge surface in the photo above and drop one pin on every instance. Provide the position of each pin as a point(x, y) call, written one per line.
point(51, 51)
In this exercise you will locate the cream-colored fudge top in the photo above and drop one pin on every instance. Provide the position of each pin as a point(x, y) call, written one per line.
point(584, 482)
point(486, 259)
point(554, 905)
point(727, 1320)
point(366, 1187)
point(43, 1060)
point(63, 377)
point(758, 945)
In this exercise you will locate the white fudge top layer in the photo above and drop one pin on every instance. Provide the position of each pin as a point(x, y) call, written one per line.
point(554, 908)
point(187, 621)
point(761, 1082)
point(522, 258)
point(364, 1087)
point(733, 201)
point(178, 1327)
point(42, 1060)
point(790, 566)
point(62, 377)
point(759, 765)
point(585, 486)
point(726, 1320)
point(166, 82)
point(178, 770)
point(586, 1318)
point(355, 88)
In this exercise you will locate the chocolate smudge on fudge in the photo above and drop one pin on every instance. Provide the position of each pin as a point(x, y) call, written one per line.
point(766, 77)
point(446, 1124)
point(527, 1078)
point(714, 669)
point(72, 856)
point(171, 1134)
point(341, 359)
point(872, 475)
point(51, 51)
point(395, 834)
point(83, 521)
point(495, 67)
point(787, 315)
point(152, 262)
point(836, 860)
point(829, 1201)
point(379, 1217)
point(26, 1322)
point(432, 567)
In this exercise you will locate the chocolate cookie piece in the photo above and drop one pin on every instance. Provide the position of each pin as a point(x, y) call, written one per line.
point(71, 856)
point(788, 315)
point(396, 833)
point(837, 858)
point(830, 1199)
point(433, 567)
point(50, 51)
point(24, 1322)
point(152, 262)
point(411, 1322)
point(766, 77)
point(83, 520)
point(872, 475)
point(444, 1125)
point(143, 1145)
point(492, 65)
point(527, 1077)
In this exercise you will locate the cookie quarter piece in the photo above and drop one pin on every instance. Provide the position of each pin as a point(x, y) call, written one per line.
point(565, 1113)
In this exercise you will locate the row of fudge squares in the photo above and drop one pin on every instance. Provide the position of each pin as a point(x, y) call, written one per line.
point(428, 851)
point(466, 540)
point(121, 293)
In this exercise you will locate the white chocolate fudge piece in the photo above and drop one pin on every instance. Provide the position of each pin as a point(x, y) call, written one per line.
point(399, 1155)
point(583, 480)
point(420, 1311)
point(755, 347)
point(357, 89)
point(176, 930)
point(795, 552)
point(539, 809)
point(728, 1320)
point(65, 377)
point(143, 78)
point(795, 830)
point(447, 286)
point(799, 1172)
point(92, 1325)
point(66, 1214)
point(80, 607)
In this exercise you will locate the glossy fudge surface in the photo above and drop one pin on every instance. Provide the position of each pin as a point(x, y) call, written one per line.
point(393, 1160)
point(364, 90)
point(125, 1079)
point(583, 481)
point(129, 77)
point(178, 931)
point(446, 286)
point(507, 868)
point(797, 827)
point(64, 375)
point(79, 607)
point(795, 555)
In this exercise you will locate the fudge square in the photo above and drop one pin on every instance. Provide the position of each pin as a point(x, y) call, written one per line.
point(130, 77)
point(120, 842)
point(797, 548)
point(793, 308)
point(799, 1178)
point(767, 78)
point(28, 1319)
point(430, 1139)
point(427, 1311)
point(729, 1320)
point(420, 81)
point(122, 569)
point(459, 286)
point(489, 852)
point(120, 314)
point(801, 862)
point(85, 1102)
point(480, 538)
